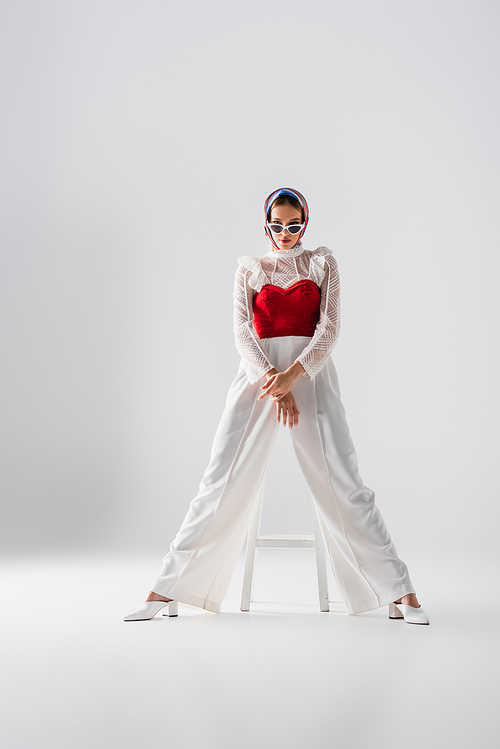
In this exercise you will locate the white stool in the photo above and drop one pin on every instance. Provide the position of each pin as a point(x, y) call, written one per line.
point(256, 541)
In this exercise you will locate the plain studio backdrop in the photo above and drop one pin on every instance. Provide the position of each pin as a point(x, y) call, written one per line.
point(139, 142)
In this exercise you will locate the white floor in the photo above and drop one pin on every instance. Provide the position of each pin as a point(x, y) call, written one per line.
point(282, 675)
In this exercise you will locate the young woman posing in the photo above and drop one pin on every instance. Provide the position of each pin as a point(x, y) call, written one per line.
point(286, 325)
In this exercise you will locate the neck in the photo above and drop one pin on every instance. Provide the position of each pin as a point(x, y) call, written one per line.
point(297, 249)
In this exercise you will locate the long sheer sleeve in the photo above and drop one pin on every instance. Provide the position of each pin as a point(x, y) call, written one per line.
point(326, 333)
point(247, 341)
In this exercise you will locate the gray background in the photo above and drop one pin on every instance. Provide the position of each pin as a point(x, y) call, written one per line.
point(139, 142)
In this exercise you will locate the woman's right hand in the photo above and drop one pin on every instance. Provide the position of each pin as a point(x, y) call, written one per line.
point(287, 407)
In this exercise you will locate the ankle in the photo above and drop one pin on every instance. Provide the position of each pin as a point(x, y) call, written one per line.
point(410, 600)
point(156, 597)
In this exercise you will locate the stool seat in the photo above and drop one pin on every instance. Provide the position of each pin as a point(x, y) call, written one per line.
point(282, 541)
point(286, 542)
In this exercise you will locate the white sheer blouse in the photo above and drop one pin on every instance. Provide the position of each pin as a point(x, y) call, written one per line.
point(283, 268)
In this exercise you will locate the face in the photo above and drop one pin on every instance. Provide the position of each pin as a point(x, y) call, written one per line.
point(285, 215)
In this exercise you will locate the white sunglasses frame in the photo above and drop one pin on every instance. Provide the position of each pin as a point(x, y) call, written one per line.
point(273, 223)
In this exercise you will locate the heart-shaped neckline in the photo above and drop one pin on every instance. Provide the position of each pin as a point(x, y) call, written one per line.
point(291, 288)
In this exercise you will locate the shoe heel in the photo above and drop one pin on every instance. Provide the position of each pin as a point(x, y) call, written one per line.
point(172, 609)
point(394, 612)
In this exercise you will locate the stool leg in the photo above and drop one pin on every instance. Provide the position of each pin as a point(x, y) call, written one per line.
point(253, 532)
point(324, 602)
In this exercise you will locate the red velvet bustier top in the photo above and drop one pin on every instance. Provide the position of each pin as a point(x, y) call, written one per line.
point(291, 311)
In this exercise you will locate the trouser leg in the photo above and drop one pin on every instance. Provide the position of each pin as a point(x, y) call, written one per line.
point(198, 568)
point(367, 568)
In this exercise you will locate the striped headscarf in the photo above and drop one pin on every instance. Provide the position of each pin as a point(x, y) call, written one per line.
point(270, 200)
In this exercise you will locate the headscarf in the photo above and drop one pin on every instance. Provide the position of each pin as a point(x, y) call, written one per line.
point(267, 209)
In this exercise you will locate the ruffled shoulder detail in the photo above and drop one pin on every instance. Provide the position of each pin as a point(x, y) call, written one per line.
point(317, 266)
point(258, 278)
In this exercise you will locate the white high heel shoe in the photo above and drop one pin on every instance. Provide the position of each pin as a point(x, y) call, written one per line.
point(149, 609)
point(410, 614)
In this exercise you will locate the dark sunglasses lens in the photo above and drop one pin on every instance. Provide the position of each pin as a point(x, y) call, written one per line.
point(293, 229)
point(276, 228)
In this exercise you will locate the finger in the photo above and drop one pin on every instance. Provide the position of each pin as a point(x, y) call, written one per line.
point(275, 396)
point(270, 381)
point(278, 409)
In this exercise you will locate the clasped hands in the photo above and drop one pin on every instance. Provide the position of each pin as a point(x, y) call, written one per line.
point(278, 386)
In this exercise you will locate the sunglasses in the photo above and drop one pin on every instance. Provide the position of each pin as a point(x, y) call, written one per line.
point(291, 229)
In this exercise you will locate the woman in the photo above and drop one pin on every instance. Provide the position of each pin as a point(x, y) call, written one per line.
point(286, 324)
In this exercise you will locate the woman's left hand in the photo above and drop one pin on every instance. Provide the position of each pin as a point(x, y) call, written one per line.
point(280, 384)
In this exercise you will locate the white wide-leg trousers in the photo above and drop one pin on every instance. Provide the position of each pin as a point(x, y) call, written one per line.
point(198, 568)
